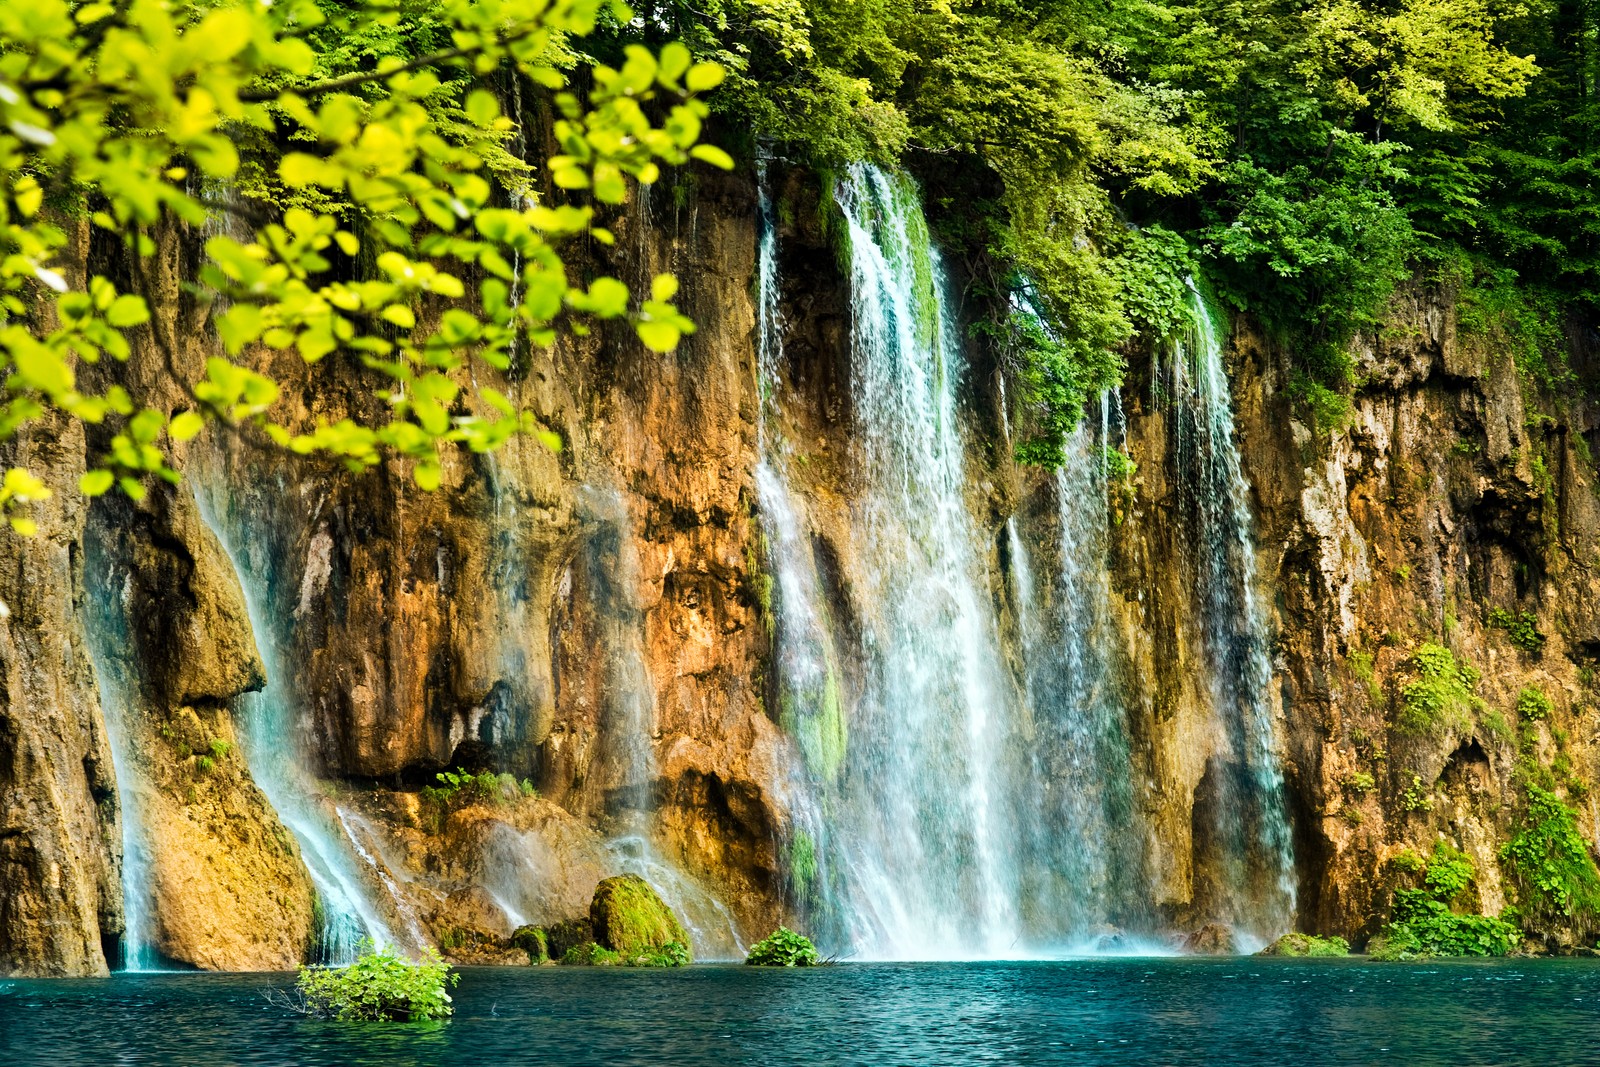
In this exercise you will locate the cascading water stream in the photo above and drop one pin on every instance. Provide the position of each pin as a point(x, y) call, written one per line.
point(918, 814)
point(1246, 809)
point(106, 633)
point(266, 722)
point(949, 809)
point(1088, 873)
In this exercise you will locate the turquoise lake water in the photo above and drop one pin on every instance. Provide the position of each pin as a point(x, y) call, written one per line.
point(1101, 1011)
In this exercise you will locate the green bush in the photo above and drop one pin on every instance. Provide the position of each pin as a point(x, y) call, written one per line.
point(1408, 861)
point(1441, 694)
point(1308, 945)
point(379, 987)
point(1523, 629)
point(783, 948)
point(1550, 860)
point(672, 954)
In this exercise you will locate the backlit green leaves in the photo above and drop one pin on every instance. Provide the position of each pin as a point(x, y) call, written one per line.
point(398, 192)
point(17, 488)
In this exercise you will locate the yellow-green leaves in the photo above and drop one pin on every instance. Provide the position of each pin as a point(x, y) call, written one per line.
point(17, 488)
point(396, 190)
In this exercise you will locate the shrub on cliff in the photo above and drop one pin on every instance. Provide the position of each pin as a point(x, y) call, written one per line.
point(783, 948)
point(1550, 862)
point(1441, 696)
point(1425, 923)
point(378, 987)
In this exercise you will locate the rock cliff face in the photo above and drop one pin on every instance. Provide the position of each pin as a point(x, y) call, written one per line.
point(1457, 509)
point(60, 836)
point(588, 622)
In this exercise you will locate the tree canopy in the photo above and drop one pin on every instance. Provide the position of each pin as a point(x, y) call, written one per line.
point(1310, 155)
point(1082, 156)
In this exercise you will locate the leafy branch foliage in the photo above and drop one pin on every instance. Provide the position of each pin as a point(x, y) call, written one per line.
point(783, 948)
point(379, 987)
point(141, 113)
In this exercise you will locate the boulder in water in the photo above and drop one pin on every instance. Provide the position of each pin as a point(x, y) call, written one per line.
point(1212, 939)
point(1307, 945)
point(632, 920)
point(567, 934)
point(534, 941)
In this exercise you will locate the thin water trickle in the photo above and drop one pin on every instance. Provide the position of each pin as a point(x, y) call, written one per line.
point(107, 639)
point(1249, 828)
point(271, 748)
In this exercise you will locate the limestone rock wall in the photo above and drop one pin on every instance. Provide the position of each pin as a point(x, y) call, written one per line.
point(588, 621)
point(1457, 507)
point(60, 835)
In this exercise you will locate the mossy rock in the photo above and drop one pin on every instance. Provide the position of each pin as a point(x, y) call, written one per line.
point(631, 919)
point(1307, 945)
point(567, 935)
point(534, 941)
point(590, 954)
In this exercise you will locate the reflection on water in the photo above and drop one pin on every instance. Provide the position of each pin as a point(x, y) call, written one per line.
point(1125, 1011)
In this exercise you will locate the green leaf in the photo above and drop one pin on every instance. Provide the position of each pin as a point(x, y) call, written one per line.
point(658, 336)
point(707, 153)
point(482, 108)
point(127, 310)
point(95, 482)
point(185, 425)
point(427, 475)
point(703, 77)
point(239, 326)
point(400, 315)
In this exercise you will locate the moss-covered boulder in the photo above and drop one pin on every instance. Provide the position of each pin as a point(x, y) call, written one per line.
point(534, 941)
point(631, 920)
point(570, 933)
point(1307, 945)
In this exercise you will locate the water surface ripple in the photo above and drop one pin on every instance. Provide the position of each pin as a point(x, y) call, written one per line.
point(1121, 1011)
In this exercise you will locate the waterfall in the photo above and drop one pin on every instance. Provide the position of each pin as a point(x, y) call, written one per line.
point(1087, 885)
point(1244, 811)
point(270, 746)
point(807, 686)
point(106, 633)
point(942, 805)
point(917, 805)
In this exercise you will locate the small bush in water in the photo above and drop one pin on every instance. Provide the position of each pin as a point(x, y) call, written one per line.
point(379, 987)
point(784, 948)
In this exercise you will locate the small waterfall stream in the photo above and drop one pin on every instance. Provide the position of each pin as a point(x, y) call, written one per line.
point(106, 631)
point(1245, 811)
point(270, 745)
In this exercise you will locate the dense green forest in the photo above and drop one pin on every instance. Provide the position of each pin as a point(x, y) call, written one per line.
point(1311, 155)
point(1081, 158)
